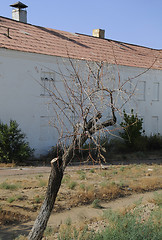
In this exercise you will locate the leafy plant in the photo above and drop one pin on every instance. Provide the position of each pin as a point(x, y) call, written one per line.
point(132, 129)
point(13, 147)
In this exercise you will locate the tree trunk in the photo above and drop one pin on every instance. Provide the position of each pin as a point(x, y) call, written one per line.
point(54, 184)
point(58, 166)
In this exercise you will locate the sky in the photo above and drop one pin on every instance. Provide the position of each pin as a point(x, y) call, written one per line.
point(132, 21)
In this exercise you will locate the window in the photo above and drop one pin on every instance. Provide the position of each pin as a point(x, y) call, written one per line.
point(47, 83)
point(154, 126)
point(141, 91)
point(155, 91)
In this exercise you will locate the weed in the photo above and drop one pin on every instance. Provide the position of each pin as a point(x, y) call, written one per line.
point(138, 202)
point(104, 184)
point(38, 199)
point(122, 168)
point(66, 178)
point(72, 185)
point(48, 232)
point(158, 199)
point(82, 174)
point(92, 171)
point(11, 199)
point(20, 197)
point(113, 183)
point(68, 221)
point(115, 172)
point(96, 204)
point(39, 176)
point(82, 186)
point(129, 226)
point(104, 173)
point(121, 184)
point(8, 186)
point(42, 183)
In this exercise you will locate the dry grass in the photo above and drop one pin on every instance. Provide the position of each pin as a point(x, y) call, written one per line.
point(91, 184)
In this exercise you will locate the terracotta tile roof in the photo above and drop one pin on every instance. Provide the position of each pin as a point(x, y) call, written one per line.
point(35, 39)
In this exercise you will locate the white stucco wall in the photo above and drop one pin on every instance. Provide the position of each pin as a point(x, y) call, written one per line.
point(21, 96)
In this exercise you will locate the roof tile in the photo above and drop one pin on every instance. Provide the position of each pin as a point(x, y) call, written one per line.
point(35, 39)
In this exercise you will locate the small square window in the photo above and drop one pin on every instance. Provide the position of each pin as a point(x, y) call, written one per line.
point(47, 83)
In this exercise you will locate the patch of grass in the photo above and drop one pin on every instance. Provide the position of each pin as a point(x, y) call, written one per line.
point(92, 171)
point(113, 183)
point(104, 184)
point(68, 221)
point(129, 226)
point(96, 204)
point(42, 183)
point(158, 199)
point(9, 186)
point(48, 232)
point(72, 185)
point(38, 199)
point(122, 226)
point(39, 176)
point(82, 174)
point(20, 197)
point(11, 199)
point(114, 172)
point(103, 173)
point(82, 186)
point(66, 178)
point(122, 168)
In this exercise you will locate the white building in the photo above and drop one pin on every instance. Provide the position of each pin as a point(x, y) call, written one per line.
point(30, 54)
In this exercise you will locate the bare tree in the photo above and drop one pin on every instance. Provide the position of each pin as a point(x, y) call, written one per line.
point(85, 102)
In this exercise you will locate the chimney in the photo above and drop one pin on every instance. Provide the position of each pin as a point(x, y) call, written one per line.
point(17, 13)
point(100, 33)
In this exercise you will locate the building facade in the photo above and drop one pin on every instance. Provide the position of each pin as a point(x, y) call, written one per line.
point(30, 61)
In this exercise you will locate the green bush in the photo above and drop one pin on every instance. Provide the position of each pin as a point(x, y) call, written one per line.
point(154, 142)
point(132, 129)
point(13, 147)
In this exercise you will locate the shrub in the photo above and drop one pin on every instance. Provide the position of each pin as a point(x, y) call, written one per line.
point(13, 147)
point(132, 129)
point(154, 142)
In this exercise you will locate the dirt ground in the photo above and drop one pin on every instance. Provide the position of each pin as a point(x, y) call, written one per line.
point(20, 206)
point(78, 215)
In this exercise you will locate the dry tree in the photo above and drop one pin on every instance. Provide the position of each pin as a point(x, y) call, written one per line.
point(85, 100)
